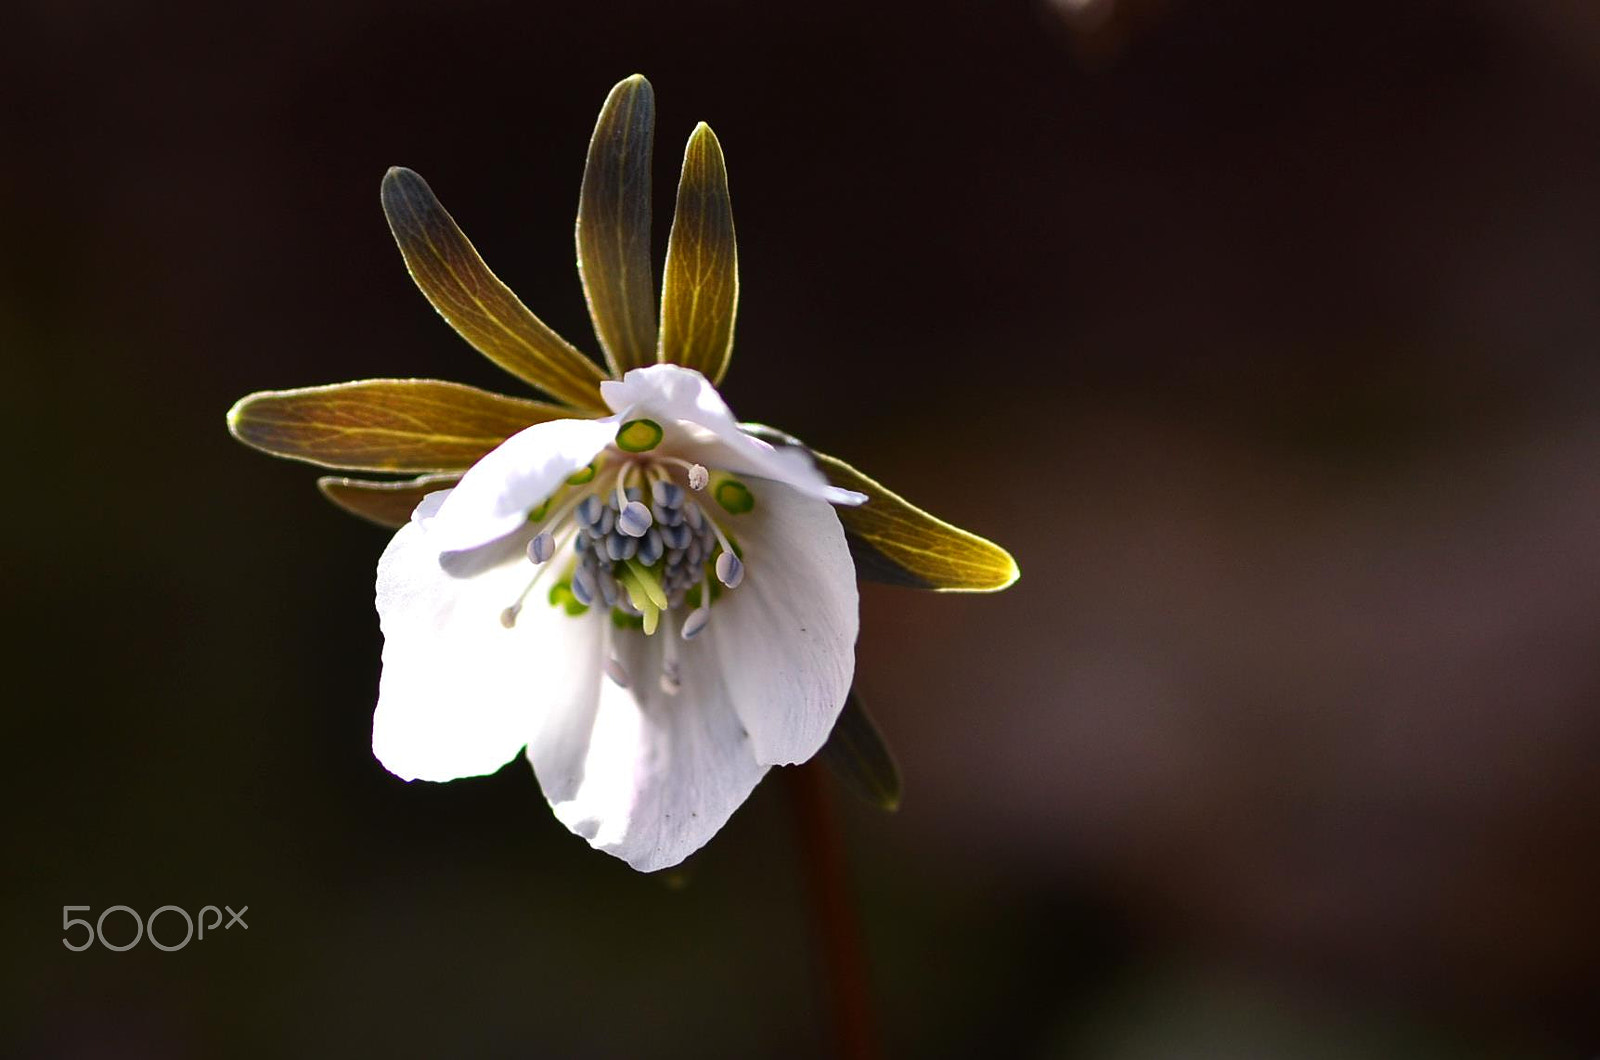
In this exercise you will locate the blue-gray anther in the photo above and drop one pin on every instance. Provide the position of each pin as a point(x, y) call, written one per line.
point(607, 520)
point(589, 510)
point(650, 547)
point(676, 537)
point(583, 585)
point(730, 571)
point(697, 553)
point(620, 547)
point(581, 542)
point(669, 516)
point(694, 516)
point(542, 547)
point(634, 520)
point(667, 493)
point(695, 622)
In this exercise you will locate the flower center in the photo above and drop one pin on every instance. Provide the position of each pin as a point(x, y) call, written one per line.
point(641, 541)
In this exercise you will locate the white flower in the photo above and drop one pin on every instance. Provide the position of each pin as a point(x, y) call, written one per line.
point(654, 683)
point(651, 714)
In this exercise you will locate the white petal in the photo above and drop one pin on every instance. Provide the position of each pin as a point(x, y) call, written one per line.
point(663, 772)
point(670, 393)
point(429, 506)
point(495, 495)
point(787, 634)
point(460, 693)
point(561, 744)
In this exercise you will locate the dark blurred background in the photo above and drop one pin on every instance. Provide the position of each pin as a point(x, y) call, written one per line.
point(1263, 334)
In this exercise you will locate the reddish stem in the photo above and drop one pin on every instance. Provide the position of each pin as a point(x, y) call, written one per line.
point(838, 930)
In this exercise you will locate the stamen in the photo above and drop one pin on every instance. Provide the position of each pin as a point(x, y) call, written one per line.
point(508, 617)
point(620, 487)
point(650, 547)
point(542, 547)
point(619, 547)
point(697, 472)
point(722, 539)
point(633, 518)
point(666, 493)
point(555, 520)
point(697, 618)
point(583, 586)
point(730, 570)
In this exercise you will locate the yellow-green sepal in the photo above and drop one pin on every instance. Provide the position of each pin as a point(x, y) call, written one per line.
point(449, 272)
point(700, 288)
point(858, 756)
point(895, 542)
point(613, 229)
point(387, 503)
point(384, 424)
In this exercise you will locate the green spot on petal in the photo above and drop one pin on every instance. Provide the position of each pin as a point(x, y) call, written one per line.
point(543, 510)
point(578, 478)
point(734, 496)
point(639, 436)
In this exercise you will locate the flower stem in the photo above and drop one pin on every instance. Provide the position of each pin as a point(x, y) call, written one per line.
point(841, 955)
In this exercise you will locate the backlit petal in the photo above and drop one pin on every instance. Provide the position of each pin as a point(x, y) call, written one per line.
point(787, 635)
point(496, 494)
point(663, 771)
point(460, 693)
point(669, 393)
